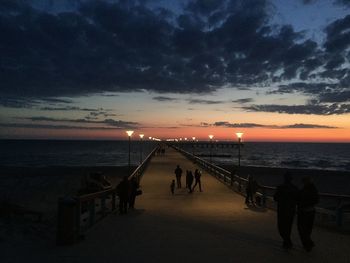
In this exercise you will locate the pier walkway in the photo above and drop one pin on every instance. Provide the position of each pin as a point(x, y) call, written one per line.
point(210, 226)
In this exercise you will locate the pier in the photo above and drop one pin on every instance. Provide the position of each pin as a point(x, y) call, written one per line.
point(210, 226)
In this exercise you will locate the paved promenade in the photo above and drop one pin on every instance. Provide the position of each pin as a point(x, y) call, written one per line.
point(211, 226)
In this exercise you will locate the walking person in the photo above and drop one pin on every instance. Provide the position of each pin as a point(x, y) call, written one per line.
point(251, 188)
point(308, 198)
point(172, 187)
point(190, 181)
point(197, 177)
point(123, 191)
point(286, 196)
point(178, 174)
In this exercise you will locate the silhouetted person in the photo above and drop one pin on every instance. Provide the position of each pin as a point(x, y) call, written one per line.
point(133, 192)
point(172, 187)
point(123, 190)
point(286, 197)
point(197, 177)
point(178, 174)
point(190, 181)
point(308, 198)
point(251, 188)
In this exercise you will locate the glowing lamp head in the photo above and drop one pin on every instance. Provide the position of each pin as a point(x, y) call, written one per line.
point(150, 138)
point(239, 136)
point(211, 136)
point(141, 135)
point(185, 139)
point(193, 138)
point(129, 133)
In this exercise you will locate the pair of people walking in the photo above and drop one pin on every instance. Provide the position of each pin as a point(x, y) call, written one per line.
point(127, 192)
point(189, 179)
point(290, 201)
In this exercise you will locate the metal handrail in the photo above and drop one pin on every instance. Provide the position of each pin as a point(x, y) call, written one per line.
point(236, 181)
point(88, 201)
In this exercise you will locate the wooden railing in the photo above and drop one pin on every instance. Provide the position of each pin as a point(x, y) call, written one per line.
point(93, 207)
point(338, 214)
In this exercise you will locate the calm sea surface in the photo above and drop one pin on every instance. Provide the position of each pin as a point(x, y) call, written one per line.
point(40, 153)
point(330, 156)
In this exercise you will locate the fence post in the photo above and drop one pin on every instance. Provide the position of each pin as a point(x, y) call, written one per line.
point(92, 212)
point(339, 216)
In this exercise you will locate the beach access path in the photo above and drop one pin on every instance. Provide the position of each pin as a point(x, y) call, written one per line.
point(210, 226)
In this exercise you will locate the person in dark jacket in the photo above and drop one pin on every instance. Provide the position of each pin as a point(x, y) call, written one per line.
point(197, 177)
point(134, 185)
point(308, 198)
point(190, 181)
point(178, 174)
point(251, 188)
point(123, 190)
point(286, 197)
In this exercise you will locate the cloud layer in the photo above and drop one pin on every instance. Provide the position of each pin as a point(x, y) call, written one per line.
point(119, 46)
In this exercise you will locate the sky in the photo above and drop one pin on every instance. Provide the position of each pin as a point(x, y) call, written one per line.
point(276, 70)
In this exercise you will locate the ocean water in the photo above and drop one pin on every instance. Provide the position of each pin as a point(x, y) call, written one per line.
point(43, 153)
point(324, 156)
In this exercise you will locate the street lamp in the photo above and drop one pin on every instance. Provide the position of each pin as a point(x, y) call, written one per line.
point(239, 136)
point(129, 133)
point(141, 138)
point(193, 140)
point(211, 146)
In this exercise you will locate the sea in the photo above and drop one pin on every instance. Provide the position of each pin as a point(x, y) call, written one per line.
point(43, 153)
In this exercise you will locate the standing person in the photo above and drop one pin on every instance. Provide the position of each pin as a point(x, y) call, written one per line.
point(190, 181)
point(172, 187)
point(308, 198)
point(134, 185)
point(187, 177)
point(248, 190)
point(178, 174)
point(123, 190)
point(286, 197)
point(197, 177)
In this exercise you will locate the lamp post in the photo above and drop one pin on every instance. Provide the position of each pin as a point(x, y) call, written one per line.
point(193, 141)
point(211, 146)
point(141, 139)
point(129, 133)
point(239, 136)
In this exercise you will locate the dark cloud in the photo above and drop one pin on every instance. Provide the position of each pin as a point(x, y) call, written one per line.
point(107, 46)
point(316, 109)
point(207, 102)
point(338, 35)
point(308, 126)
point(102, 46)
point(257, 125)
point(55, 127)
point(108, 122)
point(238, 125)
point(342, 96)
point(243, 101)
point(164, 99)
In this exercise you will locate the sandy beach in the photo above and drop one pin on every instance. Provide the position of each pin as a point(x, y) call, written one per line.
point(38, 190)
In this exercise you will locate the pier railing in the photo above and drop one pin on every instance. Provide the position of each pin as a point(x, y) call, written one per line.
point(88, 209)
point(335, 213)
